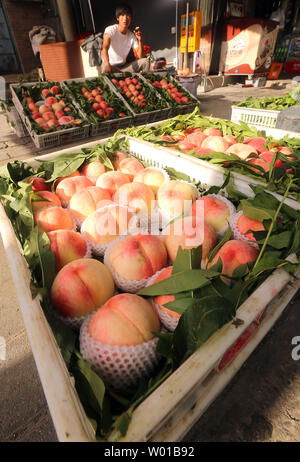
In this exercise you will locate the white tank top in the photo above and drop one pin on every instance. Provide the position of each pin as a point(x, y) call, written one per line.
point(120, 44)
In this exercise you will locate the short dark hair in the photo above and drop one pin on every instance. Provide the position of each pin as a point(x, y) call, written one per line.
point(123, 8)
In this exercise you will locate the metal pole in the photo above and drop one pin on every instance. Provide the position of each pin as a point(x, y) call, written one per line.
point(176, 38)
point(92, 16)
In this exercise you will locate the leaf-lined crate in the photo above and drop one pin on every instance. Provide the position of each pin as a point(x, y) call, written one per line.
point(186, 102)
point(175, 135)
point(258, 118)
point(151, 108)
point(218, 324)
point(98, 124)
point(76, 129)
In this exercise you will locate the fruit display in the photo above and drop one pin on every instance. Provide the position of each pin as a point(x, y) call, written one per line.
point(235, 147)
point(49, 107)
point(273, 103)
point(96, 100)
point(127, 317)
point(170, 89)
point(140, 96)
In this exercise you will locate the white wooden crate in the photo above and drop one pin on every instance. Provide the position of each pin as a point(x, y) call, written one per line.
point(170, 411)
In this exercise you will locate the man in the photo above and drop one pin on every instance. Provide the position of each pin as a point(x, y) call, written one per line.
point(118, 41)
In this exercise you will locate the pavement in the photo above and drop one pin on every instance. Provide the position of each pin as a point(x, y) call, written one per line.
point(24, 414)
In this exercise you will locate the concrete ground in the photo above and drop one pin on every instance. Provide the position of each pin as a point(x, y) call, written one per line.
point(262, 403)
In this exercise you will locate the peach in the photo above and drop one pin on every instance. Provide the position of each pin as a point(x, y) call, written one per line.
point(69, 186)
point(67, 245)
point(39, 184)
point(241, 150)
point(233, 254)
point(44, 108)
point(48, 116)
point(137, 196)
point(76, 173)
point(93, 170)
point(57, 107)
point(81, 287)
point(212, 132)
point(230, 139)
point(258, 143)
point(152, 177)
point(216, 143)
point(286, 151)
point(174, 197)
point(189, 233)
point(106, 224)
point(160, 300)
point(261, 163)
point(87, 200)
point(204, 151)
point(196, 138)
point(245, 224)
point(118, 157)
point(125, 319)
point(52, 218)
point(138, 256)
point(40, 120)
point(112, 181)
point(215, 211)
point(52, 200)
point(268, 157)
point(185, 145)
point(51, 100)
point(130, 166)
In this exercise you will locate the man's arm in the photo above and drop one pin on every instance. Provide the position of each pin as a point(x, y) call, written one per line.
point(104, 53)
point(140, 49)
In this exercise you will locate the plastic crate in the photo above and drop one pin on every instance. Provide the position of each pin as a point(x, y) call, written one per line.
point(169, 412)
point(258, 118)
point(15, 121)
point(106, 127)
point(53, 139)
point(147, 116)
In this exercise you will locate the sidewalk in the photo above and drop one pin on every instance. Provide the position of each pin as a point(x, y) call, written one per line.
point(262, 403)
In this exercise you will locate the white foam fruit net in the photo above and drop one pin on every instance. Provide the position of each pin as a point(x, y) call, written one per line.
point(233, 222)
point(119, 366)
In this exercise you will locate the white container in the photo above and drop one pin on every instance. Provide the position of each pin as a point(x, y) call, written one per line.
point(171, 410)
point(258, 118)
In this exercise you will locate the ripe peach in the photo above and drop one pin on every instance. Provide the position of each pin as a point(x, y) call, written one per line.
point(52, 218)
point(40, 121)
point(125, 319)
point(86, 201)
point(261, 163)
point(196, 138)
point(106, 224)
point(52, 200)
point(215, 211)
point(189, 233)
point(48, 115)
point(44, 108)
point(93, 170)
point(69, 186)
point(138, 256)
point(245, 224)
point(57, 107)
point(202, 151)
point(268, 157)
point(212, 132)
point(185, 145)
point(241, 150)
point(130, 166)
point(118, 156)
point(257, 143)
point(32, 107)
point(174, 197)
point(160, 300)
point(39, 184)
point(233, 254)
point(216, 143)
point(230, 139)
point(51, 100)
point(45, 93)
point(152, 177)
point(286, 151)
point(137, 196)
point(59, 113)
point(52, 123)
point(112, 181)
point(76, 173)
point(67, 245)
point(81, 287)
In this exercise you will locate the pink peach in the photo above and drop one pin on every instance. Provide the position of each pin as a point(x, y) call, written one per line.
point(174, 197)
point(137, 196)
point(233, 254)
point(52, 200)
point(245, 224)
point(161, 300)
point(138, 256)
point(86, 201)
point(216, 143)
point(69, 186)
point(241, 150)
point(196, 138)
point(118, 157)
point(112, 181)
point(93, 170)
point(130, 166)
point(258, 143)
point(52, 218)
point(125, 319)
point(152, 177)
point(81, 287)
point(67, 245)
point(212, 132)
point(76, 173)
point(215, 211)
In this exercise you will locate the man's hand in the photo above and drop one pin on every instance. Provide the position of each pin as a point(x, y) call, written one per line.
point(108, 68)
point(138, 33)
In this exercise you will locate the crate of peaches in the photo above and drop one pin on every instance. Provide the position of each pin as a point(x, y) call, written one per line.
point(50, 116)
point(104, 108)
point(151, 287)
point(180, 99)
point(145, 102)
